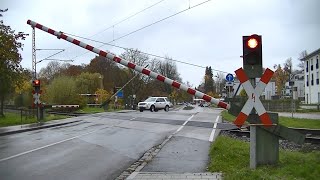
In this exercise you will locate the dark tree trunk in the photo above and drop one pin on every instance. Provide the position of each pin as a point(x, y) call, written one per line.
point(1, 105)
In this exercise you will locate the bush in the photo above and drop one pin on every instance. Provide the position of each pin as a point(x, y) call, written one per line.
point(63, 90)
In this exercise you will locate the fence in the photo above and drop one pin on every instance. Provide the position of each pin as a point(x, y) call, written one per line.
point(280, 105)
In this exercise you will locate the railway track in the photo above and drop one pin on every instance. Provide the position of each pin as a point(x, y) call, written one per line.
point(312, 135)
point(74, 114)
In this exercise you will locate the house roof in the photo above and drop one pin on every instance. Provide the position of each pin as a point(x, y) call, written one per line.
point(311, 54)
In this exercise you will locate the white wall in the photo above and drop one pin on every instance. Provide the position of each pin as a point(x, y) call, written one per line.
point(312, 92)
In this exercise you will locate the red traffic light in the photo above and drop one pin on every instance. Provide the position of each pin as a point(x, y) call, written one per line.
point(253, 41)
point(36, 82)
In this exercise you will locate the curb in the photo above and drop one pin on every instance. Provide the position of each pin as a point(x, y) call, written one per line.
point(36, 128)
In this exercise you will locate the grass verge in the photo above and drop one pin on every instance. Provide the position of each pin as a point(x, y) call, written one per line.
point(12, 119)
point(91, 110)
point(286, 121)
point(231, 157)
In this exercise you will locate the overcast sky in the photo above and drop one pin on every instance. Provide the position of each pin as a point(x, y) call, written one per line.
point(207, 35)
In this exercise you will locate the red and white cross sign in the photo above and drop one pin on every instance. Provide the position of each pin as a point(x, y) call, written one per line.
point(36, 97)
point(253, 95)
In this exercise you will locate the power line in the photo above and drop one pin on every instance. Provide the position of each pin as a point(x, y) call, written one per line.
point(129, 17)
point(112, 26)
point(132, 32)
point(149, 54)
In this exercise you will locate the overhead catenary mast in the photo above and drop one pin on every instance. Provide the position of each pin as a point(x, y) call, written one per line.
point(130, 65)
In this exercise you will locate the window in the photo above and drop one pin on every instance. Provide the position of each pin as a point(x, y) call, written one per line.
point(317, 80)
point(312, 79)
point(311, 64)
point(317, 63)
point(307, 80)
point(307, 66)
point(160, 100)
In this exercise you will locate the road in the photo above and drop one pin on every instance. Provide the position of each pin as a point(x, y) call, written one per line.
point(103, 145)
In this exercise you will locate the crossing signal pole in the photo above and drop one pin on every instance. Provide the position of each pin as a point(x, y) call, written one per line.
point(264, 146)
point(36, 96)
point(252, 55)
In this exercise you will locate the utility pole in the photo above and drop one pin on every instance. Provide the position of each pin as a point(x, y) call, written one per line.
point(34, 60)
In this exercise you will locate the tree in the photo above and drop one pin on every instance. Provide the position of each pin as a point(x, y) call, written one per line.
point(73, 70)
point(23, 89)
point(280, 76)
point(88, 82)
point(220, 81)
point(243, 93)
point(302, 55)
point(63, 90)
point(288, 66)
point(102, 95)
point(52, 69)
point(10, 59)
point(138, 58)
point(107, 68)
point(208, 80)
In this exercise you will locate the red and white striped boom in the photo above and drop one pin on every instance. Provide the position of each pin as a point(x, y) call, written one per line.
point(131, 65)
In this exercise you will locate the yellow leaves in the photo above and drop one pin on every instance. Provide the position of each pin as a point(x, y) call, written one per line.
point(102, 95)
point(23, 87)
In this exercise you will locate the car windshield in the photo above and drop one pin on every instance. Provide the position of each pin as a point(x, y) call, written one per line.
point(151, 99)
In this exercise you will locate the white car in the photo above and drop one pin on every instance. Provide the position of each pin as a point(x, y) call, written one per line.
point(154, 104)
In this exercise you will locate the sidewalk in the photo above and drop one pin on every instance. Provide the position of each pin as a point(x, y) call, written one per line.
point(35, 126)
point(301, 115)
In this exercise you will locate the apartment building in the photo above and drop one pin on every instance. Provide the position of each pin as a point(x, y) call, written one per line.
point(312, 86)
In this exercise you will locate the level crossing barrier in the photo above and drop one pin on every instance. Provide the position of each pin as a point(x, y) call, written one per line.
point(109, 55)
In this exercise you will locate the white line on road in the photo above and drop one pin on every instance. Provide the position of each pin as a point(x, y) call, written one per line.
point(183, 124)
point(132, 118)
point(46, 146)
point(214, 129)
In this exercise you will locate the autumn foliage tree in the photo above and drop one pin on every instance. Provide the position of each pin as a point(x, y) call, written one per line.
point(280, 76)
point(10, 59)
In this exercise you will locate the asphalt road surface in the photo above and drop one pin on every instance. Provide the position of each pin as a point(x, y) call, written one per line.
point(103, 145)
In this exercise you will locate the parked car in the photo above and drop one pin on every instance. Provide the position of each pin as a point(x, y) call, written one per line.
point(155, 104)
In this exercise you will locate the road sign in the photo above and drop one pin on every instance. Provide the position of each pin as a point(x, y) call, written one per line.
point(229, 77)
point(253, 95)
point(36, 97)
point(229, 83)
point(120, 94)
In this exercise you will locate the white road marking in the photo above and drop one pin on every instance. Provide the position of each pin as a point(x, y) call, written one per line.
point(46, 146)
point(132, 118)
point(183, 124)
point(214, 129)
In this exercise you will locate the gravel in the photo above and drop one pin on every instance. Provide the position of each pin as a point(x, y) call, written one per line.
point(283, 144)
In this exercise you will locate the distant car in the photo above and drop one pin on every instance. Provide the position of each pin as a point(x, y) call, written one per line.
point(155, 104)
point(205, 105)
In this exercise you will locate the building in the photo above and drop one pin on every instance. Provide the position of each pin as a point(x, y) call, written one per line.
point(297, 87)
point(311, 74)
